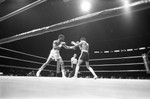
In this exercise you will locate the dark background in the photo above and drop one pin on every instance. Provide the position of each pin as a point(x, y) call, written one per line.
point(122, 32)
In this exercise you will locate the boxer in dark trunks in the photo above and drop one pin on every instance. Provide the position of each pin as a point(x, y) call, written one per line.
point(84, 56)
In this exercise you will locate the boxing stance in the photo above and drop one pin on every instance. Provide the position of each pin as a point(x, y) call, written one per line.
point(55, 55)
point(84, 56)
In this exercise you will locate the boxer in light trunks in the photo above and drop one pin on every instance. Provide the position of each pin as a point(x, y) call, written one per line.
point(84, 56)
point(55, 55)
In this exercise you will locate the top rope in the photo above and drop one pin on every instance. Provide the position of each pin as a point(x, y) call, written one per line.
point(104, 14)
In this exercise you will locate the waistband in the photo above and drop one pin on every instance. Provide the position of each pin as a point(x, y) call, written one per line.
point(55, 49)
point(84, 51)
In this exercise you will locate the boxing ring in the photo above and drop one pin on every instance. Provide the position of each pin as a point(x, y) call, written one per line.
point(25, 87)
point(59, 88)
point(125, 64)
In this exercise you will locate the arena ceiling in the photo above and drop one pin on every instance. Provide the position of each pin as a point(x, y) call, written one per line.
point(121, 32)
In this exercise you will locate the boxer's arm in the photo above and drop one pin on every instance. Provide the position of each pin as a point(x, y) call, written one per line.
point(73, 43)
point(67, 47)
point(77, 43)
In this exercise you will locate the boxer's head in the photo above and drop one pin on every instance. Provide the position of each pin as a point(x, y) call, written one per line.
point(75, 55)
point(83, 39)
point(61, 37)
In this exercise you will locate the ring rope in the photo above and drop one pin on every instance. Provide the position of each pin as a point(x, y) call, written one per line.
point(23, 53)
point(122, 64)
point(80, 71)
point(68, 65)
point(108, 13)
point(24, 60)
point(130, 57)
point(22, 9)
point(23, 67)
point(68, 60)
point(119, 71)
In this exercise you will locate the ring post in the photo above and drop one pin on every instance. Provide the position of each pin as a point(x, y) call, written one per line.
point(146, 63)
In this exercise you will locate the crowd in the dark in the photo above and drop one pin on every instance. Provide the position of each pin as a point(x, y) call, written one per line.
point(102, 75)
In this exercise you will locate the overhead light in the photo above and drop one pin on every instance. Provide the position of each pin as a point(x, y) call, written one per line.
point(106, 51)
point(142, 48)
point(129, 50)
point(85, 5)
point(126, 3)
point(96, 52)
point(116, 51)
point(123, 50)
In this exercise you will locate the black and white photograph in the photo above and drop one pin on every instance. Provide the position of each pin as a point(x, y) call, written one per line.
point(74, 49)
